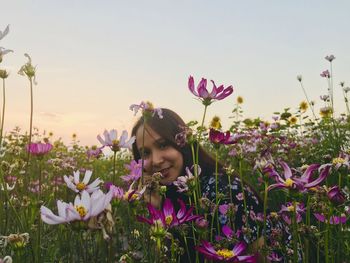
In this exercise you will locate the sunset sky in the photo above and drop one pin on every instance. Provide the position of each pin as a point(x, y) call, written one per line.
point(95, 58)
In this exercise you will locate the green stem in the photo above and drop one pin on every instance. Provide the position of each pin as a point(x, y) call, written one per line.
point(295, 233)
point(3, 112)
point(243, 192)
point(114, 161)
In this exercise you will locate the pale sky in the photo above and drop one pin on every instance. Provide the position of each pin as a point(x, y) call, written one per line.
point(95, 58)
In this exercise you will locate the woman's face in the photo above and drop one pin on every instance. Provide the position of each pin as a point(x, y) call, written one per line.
point(159, 155)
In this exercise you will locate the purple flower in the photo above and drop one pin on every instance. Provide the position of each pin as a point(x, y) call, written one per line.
point(219, 137)
point(186, 183)
point(217, 93)
point(39, 149)
point(135, 171)
point(111, 140)
point(223, 209)
point(325, 74)
point(336, 195)
point(274, 257)
point(289, 208)
point(146, 107)
point(302, 183)
point(334, 220)
point(224, 254)
point(167, 217)
point(94, 152)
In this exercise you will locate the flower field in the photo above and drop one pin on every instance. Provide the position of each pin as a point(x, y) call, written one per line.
point(70, 203)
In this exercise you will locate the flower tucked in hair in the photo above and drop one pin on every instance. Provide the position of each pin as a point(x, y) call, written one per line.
point(217, 93)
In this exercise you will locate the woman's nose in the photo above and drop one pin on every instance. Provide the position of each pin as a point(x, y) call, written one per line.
point(157, 159)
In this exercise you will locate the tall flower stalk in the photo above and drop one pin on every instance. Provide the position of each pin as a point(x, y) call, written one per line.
point(3, 76)
point(28, 70)
point(300, 79)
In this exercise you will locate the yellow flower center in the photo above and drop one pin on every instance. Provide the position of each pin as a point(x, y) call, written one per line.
point(289, 182)
point(239, 100)
point(215, 123)
point(338, 161)
point(168, 219)
point(290, 208)
point(225, 253)
point(81, 210)
point(81, 186)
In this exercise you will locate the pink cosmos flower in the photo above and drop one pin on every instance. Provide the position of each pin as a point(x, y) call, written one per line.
point(185, 183)
point(166, 217)
point(301, 183)
point(39, 149)
point(287, 210)
point(135, 171)
point(325, 74)
point(219, 137)
point(111, 140)
point(77, 186)
point(225, 255)
point(217, 93)
point(146, 107)
point(334, 220)
point(130, 195)
point(84, 208)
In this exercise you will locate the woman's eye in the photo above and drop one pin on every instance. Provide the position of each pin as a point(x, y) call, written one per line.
point(163, 145)
point(144, 153)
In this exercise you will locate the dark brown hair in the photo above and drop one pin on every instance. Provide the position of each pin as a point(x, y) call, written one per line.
point(168, 127)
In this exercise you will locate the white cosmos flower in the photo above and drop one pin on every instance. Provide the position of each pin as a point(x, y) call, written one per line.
point(76, 185)
point(85, 207)
point(111, 140)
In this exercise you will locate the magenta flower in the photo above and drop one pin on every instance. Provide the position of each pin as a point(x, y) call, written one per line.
point(219, 137)
point(39, 149)
point(334, 220)
point(302, 183)
point(274, 257)
point(336, 195)
point(135, 171)
point(167, 217)
point(217, 93)
point(224, 254)
point(325, 74)
point(287, 209)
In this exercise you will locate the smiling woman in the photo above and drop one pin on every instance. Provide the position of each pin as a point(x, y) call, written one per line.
point(160, 144)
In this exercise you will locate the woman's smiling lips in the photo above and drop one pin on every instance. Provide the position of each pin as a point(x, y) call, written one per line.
point(164, 172)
